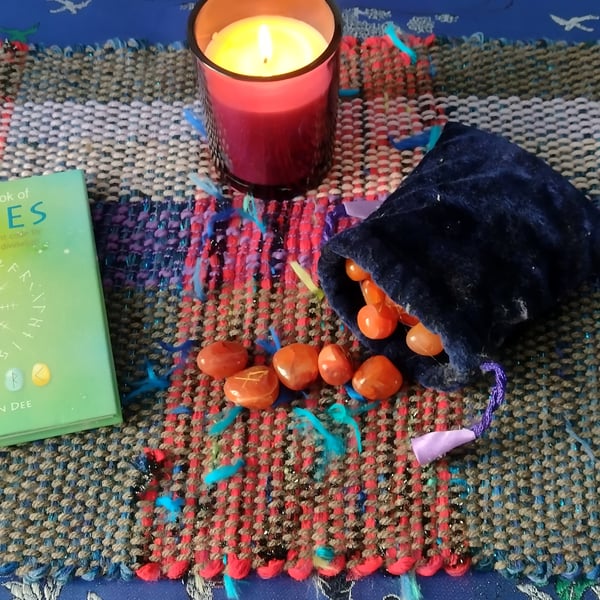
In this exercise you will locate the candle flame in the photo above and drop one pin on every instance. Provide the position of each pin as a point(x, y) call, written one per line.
point(265, 43)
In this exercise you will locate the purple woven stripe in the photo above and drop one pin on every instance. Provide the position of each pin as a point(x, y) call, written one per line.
point(142, 244)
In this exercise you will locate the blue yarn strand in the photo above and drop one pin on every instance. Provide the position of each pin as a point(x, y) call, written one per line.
point(219, 217)
point(8, 568)
point(349, 92)
point(196, 281)
point(275, 338)
point(208, 186)
point(412, 142)
point(353, 393)
point(195, 121)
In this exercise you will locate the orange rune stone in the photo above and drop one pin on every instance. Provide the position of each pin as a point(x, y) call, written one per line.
point(335, 364)
point(222, 359)
point(377, 321)
point(296, 365)
point(422, 341)
point(355, 272)
point(371, 292)
point(377, 378)
point(404, 317)
point(255, 387)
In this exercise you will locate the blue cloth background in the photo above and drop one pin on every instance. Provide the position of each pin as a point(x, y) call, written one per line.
point(67, 22)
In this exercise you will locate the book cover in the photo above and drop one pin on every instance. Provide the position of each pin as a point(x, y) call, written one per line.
point(56, 368)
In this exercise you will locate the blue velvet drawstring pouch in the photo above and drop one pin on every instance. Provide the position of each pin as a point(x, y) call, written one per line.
point(481, 237)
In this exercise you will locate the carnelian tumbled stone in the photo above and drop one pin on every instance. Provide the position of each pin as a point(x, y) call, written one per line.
point(296, 365)
point(355, 272)
point(335, 364)
point(423, 341)
point(222, 359)
point(371, 292)
point(377, 378)
point(377, 321)
point(406, 318)
point(254, 387)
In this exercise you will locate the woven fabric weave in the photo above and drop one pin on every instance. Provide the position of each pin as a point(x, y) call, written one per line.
point(177, 274)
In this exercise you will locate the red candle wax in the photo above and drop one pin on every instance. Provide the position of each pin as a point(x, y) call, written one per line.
point(273, 133)
point(271, 125)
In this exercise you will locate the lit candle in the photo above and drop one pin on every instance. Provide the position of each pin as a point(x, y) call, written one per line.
point(269, 86)
point(265, 46)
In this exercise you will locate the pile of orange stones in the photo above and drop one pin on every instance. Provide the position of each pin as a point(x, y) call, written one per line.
point(380, 316)
point(296, 366)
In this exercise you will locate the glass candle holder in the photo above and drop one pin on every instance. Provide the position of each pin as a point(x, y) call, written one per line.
point(268, 78)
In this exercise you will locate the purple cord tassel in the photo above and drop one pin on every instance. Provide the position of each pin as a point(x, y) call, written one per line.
point(433, 445)
point(497, 396)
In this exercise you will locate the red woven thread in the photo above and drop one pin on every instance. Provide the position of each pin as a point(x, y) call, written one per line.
point(238, 568)
point(231, 245)
point(400, 547)
point(431, 567)
point(401, 566)
point(300, 569)
point(149, 572)
point(209, 568)
point(370, 484)
point(461, 566)
point(334, 567)
point(415, 488)
point(436, 413)
point(271, 569)
point(365, 568)
point(272, 209)
point(178, 569)
point(430, 408)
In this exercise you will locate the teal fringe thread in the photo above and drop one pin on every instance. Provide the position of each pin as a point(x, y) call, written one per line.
point(325, 553)
point(249, 211)
point(223, 472)
point(172, 505)
point(228, 417)
point(232, 591)
point(339, 413)
point(333, 444)
point(390, 31)
point(434, 136)
point(409, 588)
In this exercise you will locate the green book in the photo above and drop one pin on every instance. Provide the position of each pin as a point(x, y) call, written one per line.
point(56, 368)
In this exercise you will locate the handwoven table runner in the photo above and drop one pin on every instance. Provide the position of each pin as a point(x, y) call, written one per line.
point(184, 266)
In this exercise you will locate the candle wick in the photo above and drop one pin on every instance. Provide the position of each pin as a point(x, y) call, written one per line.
point(265, 59)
